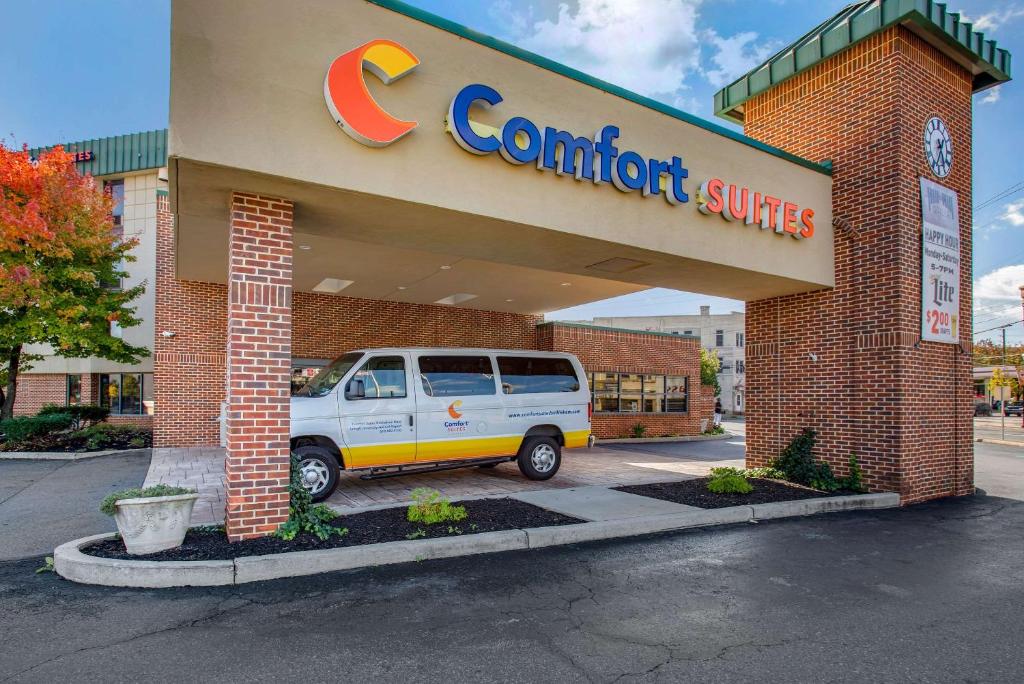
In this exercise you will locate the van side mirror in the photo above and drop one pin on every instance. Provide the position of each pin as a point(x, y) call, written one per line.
point(356, 389)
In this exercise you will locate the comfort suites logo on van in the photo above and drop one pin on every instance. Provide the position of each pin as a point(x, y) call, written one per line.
point(350, 101)
point(453, 409)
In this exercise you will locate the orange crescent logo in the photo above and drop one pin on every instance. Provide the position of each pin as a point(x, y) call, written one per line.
point(452, 410)
point(350, 101)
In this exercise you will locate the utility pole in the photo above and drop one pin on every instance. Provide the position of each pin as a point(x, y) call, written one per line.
point(1002, 394)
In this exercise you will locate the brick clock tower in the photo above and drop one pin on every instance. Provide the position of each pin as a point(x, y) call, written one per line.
point(863, 90)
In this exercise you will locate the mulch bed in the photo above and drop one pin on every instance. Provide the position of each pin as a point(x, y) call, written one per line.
point(371, 527)
point(695, 493)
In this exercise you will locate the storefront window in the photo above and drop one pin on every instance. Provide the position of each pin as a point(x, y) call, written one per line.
point(126, 393)
point(635, 393)
point(606, 392)
point(74, 395)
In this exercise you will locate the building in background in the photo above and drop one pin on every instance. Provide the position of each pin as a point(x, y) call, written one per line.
point(132, 169)
point(722, 334)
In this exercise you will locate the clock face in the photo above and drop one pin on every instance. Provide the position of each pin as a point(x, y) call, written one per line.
point(938, 147)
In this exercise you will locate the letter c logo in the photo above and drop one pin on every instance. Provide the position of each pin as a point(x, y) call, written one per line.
point(350, 101)
point(453, 410)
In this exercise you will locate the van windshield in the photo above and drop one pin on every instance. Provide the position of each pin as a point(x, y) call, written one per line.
point(324, 381)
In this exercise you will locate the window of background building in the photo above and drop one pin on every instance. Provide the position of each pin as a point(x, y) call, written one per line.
point(457, 376)
point(535, 375)
point(739, 339)
point(634, 393)
point(115, 189)
point(126, 393)
point(687, 332)
point(74, 393)
point(383, 377)
point(719, 338)
point(741, 366)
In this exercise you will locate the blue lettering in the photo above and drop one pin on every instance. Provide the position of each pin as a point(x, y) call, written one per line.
point(622, 178)
point(577, 154)
point(510, 148)
point(607, 152)
point(458, 118)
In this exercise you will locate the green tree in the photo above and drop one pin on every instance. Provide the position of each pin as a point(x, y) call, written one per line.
point(59, 255)
point(709, 365)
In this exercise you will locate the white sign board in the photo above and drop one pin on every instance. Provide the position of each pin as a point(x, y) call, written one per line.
point(940, 264)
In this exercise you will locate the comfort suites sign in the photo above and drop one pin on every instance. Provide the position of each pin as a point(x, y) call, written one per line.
point(520, 141)
point(457, 144)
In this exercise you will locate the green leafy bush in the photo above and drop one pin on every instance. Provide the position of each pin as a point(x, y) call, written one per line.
point(728, 481)
point(797, 462)
point(24, 428)
point(855, 480)
point(768, 473)
point(429, 508)
point(303, 516)
point(715, 430)
point(108, 504)
point(82, 415)
point(107, 436)
point(639, 430)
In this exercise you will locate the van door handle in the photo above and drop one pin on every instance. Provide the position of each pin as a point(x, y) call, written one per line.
point(410, 420)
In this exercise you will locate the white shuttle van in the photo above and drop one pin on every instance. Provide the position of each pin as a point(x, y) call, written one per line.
point(397, 411)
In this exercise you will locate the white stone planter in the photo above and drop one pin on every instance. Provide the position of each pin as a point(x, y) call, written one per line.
point(154, 523)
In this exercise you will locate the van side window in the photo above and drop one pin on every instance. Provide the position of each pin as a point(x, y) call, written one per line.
point(535, 375)
point(383, 377)
point(456, 376)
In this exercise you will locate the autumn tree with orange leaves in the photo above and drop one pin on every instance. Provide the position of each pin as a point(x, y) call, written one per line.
point(59, 256)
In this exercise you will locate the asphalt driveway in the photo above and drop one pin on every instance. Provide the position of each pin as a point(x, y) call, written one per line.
point(925, 593)
point(46, 503)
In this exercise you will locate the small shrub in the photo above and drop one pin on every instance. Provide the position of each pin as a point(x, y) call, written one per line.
point(25, 428)
point(107, 436)
point(728, 481)
point(303, 516)
point(715, 430)
point(768, 473)
point(108, 504)
point(798, 464)
point(82, 415)
point(430, 508)
point(855, 480)
point(639, 430)
point(416, 535)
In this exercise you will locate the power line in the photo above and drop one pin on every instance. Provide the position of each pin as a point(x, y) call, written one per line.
point(999, 326)
point(1006, 192)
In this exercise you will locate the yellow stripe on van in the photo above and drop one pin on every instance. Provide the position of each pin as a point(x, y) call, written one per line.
point(379, 455)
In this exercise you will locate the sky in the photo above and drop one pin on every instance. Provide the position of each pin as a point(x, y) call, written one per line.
point(77, 69)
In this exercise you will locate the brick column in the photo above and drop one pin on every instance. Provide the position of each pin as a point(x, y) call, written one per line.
point(850, 362)
point(258, 365)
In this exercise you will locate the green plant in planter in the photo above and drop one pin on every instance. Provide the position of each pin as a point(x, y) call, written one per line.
point(108, 505)
point(639, 431)
point(765, 472)
point(303, 516)
point(728, 481)
point(430, 508)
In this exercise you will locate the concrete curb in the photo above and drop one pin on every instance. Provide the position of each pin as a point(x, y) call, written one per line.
point(1003, 442)
point(656, 440)
point(70, 563)
point(65, 455)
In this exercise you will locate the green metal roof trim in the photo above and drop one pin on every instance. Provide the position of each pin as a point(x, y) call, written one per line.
point(119, 153)
point(989, 64)
point(630, 331)
point(563, 70)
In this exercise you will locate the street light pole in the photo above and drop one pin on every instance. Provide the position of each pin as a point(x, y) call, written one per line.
point(1002, 393)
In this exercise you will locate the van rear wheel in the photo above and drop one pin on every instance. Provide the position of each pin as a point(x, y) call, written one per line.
point(539, 458)
point(318, 471)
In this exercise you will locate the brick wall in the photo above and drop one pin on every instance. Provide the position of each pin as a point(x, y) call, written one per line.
point(38, 389)
point(623, 351)
point(903, 405)
point(259, 325)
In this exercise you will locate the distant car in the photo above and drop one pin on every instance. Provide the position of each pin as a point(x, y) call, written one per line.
point(982, 409)
point(1015, 408)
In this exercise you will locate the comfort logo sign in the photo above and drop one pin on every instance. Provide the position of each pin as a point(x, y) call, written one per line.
point(350, 101)
point(453, 409)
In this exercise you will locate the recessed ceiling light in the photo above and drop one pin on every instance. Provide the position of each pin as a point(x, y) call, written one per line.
point(566, 284)
point(446, 267)
point(306, 247)
point(332, 285)
point(457, 298)
point(402, 287)
point(510, 300)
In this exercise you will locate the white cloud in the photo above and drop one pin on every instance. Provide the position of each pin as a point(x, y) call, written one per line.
point(1014, 213)
point(991, 21)
point(1000, 286)
point(991, 96)
point(646, 45)
point(735, 56)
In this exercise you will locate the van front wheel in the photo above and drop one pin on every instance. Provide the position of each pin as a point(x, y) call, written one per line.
point(318, 470)
point(539, 458)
